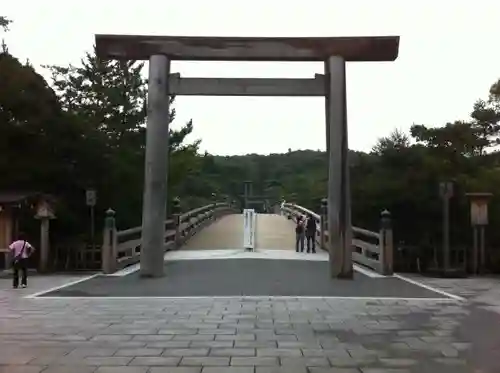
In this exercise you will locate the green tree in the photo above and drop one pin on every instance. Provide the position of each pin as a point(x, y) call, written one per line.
point(110, 97)
point(43, 149)
point(486, 125)
point(396, 141)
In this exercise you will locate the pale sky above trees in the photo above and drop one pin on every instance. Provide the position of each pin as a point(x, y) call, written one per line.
point(448, 59)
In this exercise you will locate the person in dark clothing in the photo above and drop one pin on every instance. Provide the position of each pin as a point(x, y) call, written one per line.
point(311, 234)
point(299, 235)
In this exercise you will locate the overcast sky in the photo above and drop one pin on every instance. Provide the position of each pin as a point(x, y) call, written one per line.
point(449, 56)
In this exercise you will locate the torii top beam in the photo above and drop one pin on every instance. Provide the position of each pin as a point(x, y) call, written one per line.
point(139, 47)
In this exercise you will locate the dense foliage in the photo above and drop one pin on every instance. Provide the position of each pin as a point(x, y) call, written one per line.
point(83, 131)
point(86, 130)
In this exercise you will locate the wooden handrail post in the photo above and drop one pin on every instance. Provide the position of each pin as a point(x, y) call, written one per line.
point(110, 241)
point(178, 232)
point(214, 204)
point(176, 216)
point(323, 223)
point(386, 244)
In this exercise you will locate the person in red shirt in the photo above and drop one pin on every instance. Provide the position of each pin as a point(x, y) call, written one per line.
point(299, 234)
point(21, 251)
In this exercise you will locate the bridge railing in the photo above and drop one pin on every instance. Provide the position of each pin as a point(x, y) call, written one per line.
point(369, 248)
point(122, 248)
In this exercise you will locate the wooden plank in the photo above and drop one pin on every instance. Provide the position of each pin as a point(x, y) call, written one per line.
point(371, 263)
point(246, 86)
point(141, 47)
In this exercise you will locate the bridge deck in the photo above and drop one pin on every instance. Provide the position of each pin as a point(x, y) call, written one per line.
point(273, 232)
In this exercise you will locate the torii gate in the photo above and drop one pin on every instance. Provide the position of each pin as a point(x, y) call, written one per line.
point(161, 50)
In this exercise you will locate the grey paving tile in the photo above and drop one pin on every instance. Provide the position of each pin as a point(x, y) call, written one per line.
point(227, 370)
point(21, 369)
point(155, 361)
point(175, 370)
point(153, 337)
point(107, 360)
point(194, 337)
point(122, 370)
point(352, 362)
point(205, 361)
point(451, 361)
point(255, 361)
point(211, 344)
point(235, 337)
point(217, 331)
point(232, 352)
point(255, 344)
point(397, 362)
point(92, 351)
point(170, 344)
point(333, 370)
point(305, 361)
point(65, 369)
point(281, 352)
point(299, 344)
point(280, 370)
point(340, 352)
point(17, 359)
point(111, 337)
point(139, 352)
point(186, 352)
point(384, 370)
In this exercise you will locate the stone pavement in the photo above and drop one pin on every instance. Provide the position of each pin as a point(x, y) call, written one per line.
point(258, 335)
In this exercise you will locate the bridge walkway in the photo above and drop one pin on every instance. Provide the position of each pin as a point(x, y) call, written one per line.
point(274, 232)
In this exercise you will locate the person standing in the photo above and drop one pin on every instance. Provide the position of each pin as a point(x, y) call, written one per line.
point(311, 234)
point(21, 251)
point(299, 235)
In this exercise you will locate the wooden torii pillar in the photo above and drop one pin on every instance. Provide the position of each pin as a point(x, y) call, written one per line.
point(161, 50)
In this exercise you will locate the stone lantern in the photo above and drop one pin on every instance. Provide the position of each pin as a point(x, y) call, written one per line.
point(44, 213)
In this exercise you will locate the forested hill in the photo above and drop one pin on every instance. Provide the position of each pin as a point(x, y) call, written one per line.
point(299, 175)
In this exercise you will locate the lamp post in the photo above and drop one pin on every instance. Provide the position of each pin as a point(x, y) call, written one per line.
point(479, 220)
point(90, 199)
point(247, 191)
point(446, 192)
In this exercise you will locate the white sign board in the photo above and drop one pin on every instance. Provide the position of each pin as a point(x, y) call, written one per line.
point(249, 220)
point(479, 212)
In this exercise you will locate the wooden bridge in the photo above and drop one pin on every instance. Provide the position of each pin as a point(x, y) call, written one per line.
point(219, 226)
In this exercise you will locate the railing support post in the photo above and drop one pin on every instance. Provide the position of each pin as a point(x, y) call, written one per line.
point(324, 224)
point(178, 232)
point(176, 216)
point(109, 244)
point(214, 203)
point(386, 244)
